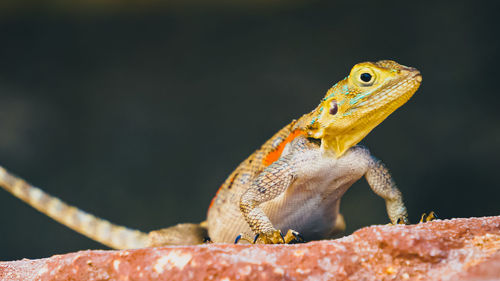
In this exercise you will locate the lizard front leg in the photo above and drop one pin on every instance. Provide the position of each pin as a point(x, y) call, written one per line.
point(381, 182)
point(269, 184)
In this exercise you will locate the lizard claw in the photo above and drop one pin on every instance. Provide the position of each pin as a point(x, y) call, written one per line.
point(282, 237)
point(430, 217)
point(297, 237)
point(237, 239)
point(243, 237)
point(256, 237)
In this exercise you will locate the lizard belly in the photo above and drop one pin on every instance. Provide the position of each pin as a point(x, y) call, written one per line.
point(309, 205)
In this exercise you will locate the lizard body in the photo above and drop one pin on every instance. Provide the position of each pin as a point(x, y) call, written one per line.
point(293, 183)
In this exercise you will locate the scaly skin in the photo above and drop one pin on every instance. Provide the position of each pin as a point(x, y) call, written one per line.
point(293, 183)
point(300, 190)
point(100, 230)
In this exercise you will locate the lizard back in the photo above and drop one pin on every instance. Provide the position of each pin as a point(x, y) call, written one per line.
point(225, 203)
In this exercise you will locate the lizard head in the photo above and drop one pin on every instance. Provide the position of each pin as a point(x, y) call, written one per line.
point(357, 104)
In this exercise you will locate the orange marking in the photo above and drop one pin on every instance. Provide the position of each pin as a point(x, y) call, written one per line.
point(276, 153)
point(221, 187)
point(213, 199)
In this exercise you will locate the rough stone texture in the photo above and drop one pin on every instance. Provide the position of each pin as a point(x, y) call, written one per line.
point(458, 249)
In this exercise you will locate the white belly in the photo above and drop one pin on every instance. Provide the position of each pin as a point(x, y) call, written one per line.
point(311, 204)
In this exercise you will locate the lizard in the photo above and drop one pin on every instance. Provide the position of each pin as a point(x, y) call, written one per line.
point(292, 184)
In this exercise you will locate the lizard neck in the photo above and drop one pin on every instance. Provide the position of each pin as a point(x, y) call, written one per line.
point(331, 146)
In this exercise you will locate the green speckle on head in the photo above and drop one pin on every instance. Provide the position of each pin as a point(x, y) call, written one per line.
point(360, 96)
point(362, 103)
point(331, 95)
point(314, 120)
point(345, 90)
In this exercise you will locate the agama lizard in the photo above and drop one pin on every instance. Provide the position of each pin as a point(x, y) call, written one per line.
point(293, 183)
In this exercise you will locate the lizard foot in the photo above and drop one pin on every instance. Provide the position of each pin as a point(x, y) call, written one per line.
point(403, 220)
point(293, 237)
point(276, 237)
point(430, 217)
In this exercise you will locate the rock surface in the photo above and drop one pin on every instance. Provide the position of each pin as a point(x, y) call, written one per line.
point(458, 249)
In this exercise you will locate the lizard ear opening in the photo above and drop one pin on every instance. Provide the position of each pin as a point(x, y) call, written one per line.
point(334, 108)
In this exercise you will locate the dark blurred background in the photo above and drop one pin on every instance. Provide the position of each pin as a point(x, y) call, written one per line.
point(136, 111)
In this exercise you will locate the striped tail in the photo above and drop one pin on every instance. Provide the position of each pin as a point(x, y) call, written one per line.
point(111, 235)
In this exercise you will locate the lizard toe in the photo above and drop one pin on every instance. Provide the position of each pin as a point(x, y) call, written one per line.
point(293, 237)
point(271, 237)
point(428, 217)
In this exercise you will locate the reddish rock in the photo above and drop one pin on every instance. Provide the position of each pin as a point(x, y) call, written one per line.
point(458, 249)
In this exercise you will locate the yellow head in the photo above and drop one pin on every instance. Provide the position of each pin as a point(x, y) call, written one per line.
point(357, 104)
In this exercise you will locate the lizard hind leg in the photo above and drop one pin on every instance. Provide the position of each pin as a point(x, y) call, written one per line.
point(180, 234)
point(339, 225)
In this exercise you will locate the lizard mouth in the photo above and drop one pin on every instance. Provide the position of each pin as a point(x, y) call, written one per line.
point(395, 95)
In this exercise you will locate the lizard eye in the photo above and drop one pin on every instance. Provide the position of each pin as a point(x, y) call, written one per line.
point(333, 107)
point(365, 77)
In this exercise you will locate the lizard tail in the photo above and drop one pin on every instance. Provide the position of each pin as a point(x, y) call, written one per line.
point(100, 230)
